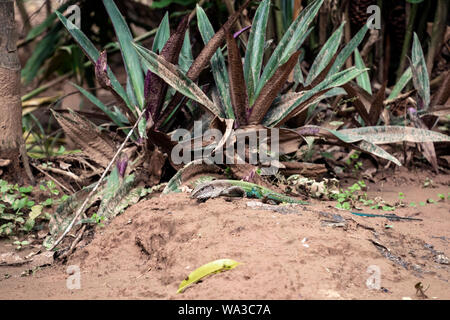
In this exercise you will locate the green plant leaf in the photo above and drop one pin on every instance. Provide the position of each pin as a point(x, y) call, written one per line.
point(43, 50)
point(363, 80)
point(162, 34)
point(290, 43)
point(165, 3)
point(48, 22)
point(26, 189)
point(93, 54)
point(130, 57)
point(218, 65)
point(325, 55)
point(175, 78)
point(420, 74)
point(401, 84)
point(113, 116)
point(348, 50)
point(255, 48)
point(186, 57)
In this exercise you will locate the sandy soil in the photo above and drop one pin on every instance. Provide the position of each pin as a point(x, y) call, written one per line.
point(147, 251)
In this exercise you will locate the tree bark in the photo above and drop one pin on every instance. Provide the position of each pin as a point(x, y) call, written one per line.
point(11, 139)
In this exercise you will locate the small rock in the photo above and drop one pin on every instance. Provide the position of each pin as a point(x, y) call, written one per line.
point(442, 259)
point(11, 258)
point(304, 243)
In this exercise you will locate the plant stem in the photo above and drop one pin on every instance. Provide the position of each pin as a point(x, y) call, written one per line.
point(439, 26)
point(407, 41)
point(279, 20)
point(24, 15)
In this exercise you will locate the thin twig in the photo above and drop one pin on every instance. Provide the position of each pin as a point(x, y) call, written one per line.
point(69, 174)
point(74, 243)
point(83, 206)
point(53, 179)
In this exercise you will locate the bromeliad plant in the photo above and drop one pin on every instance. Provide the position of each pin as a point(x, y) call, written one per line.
point(251, 94)
point(145, 90)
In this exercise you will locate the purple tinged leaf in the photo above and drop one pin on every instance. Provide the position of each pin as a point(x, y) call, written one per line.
point(147, 84)
point(271, 89)
point(412, 110)
point(158, 88)
point(101, 74)
point(250, 177)
point(101, 71)
point(237, 34)
point(238, 89)
point(203, 60)
point(122, 166)
point(308, 131)
point(147, 90)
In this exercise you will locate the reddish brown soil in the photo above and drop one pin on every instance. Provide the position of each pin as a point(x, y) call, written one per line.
point(180, 235)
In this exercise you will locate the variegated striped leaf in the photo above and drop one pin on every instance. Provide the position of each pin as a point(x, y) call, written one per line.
point(394, 134)
point(358, 142)
point(401, 84)
point(93, 54)
point(218, 66)
point(130, 57)
point(255, 49)
point(363, 80)
point(290, 43)
point(420, 74)
point(275, 117)
point(284, 102)
point(175, 78)
point(325, 55)
point(348, 50)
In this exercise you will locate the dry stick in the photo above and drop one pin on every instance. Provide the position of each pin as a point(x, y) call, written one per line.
point(53, 179)
point(230, 7)
point(437, 37)
point(74, 243)
point(373, 38)
point(278, 21)
point(407, 40)
point(26, 162)
point(347, 35)
point(24, 15)
point(83, 206)
point(192, 14)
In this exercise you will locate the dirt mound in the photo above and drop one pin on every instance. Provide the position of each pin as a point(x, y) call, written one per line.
point(299, 253)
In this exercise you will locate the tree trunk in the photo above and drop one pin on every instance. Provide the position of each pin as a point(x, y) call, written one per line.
point(11, 139)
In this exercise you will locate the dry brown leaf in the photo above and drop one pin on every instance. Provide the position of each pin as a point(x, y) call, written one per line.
point(94, 144)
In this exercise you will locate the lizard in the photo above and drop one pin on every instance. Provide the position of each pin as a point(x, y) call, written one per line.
point(234, 188)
